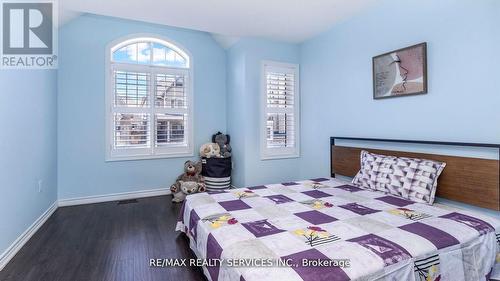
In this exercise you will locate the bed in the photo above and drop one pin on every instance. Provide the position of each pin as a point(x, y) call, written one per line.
point(329, 229)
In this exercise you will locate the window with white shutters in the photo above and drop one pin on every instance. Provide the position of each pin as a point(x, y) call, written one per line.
point(280, 110)
point(149, 100)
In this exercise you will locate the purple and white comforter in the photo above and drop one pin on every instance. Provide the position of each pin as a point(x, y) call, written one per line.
point(382, 237)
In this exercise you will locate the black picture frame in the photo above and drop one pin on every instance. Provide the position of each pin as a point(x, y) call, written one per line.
point(424, 72)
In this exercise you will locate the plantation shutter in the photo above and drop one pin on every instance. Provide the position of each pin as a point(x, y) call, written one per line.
point(280, 110)
point(171, 112)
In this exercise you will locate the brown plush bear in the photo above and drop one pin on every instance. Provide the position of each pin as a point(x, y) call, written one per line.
point(187, 187)
point(192, 173)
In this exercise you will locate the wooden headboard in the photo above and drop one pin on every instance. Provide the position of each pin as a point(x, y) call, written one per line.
point(469, 180)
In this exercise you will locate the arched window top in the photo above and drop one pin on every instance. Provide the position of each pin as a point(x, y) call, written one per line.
point(150, 51)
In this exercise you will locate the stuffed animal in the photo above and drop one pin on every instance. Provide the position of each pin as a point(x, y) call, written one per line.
point(192, 173)
point(223, 141)
point(186, 188)
point(209, 150)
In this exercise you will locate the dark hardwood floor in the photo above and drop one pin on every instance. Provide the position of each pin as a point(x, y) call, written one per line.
point(105, 241)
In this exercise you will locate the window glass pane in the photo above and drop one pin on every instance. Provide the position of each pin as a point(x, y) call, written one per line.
point(163, 55)
point(126, 54)
point(280, 130)
point(280, 90)
point(134, 53)
point(170, 129)
point(140, 53)
point(170, 91)
point(144, 53)
point(131, 130)
point(159, 54)
point(131, 88)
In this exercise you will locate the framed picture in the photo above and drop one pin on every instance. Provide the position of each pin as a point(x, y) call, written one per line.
point(401, 72)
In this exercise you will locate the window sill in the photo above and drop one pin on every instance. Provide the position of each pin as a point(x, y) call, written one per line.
point(278, 157)
point(147, 157)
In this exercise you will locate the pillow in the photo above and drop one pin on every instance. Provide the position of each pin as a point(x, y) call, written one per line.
point(410, 178)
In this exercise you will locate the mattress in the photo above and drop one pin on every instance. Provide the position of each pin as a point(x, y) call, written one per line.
point(327, 229)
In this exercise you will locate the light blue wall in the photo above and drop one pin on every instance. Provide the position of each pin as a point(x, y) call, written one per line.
point(81, 130)
point(463, 58)
point(236, 111)
point(244, 59)
point(28, 150)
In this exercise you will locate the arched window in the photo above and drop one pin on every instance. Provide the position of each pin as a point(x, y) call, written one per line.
point(149, 100)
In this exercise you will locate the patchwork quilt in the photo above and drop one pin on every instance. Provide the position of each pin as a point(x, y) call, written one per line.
point(327, 229)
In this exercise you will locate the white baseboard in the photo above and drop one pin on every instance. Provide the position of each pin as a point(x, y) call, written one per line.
point(8, 254)
point(113, 197)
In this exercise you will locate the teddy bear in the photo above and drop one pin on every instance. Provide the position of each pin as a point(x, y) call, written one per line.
point(192, 173)
point(223, 141)
point(209, 150)
point(186, 188)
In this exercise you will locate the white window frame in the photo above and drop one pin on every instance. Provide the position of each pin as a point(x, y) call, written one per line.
point(151, 152)
point(279, 153)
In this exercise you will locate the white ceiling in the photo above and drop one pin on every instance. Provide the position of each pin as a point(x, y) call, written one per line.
point(283, 20)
